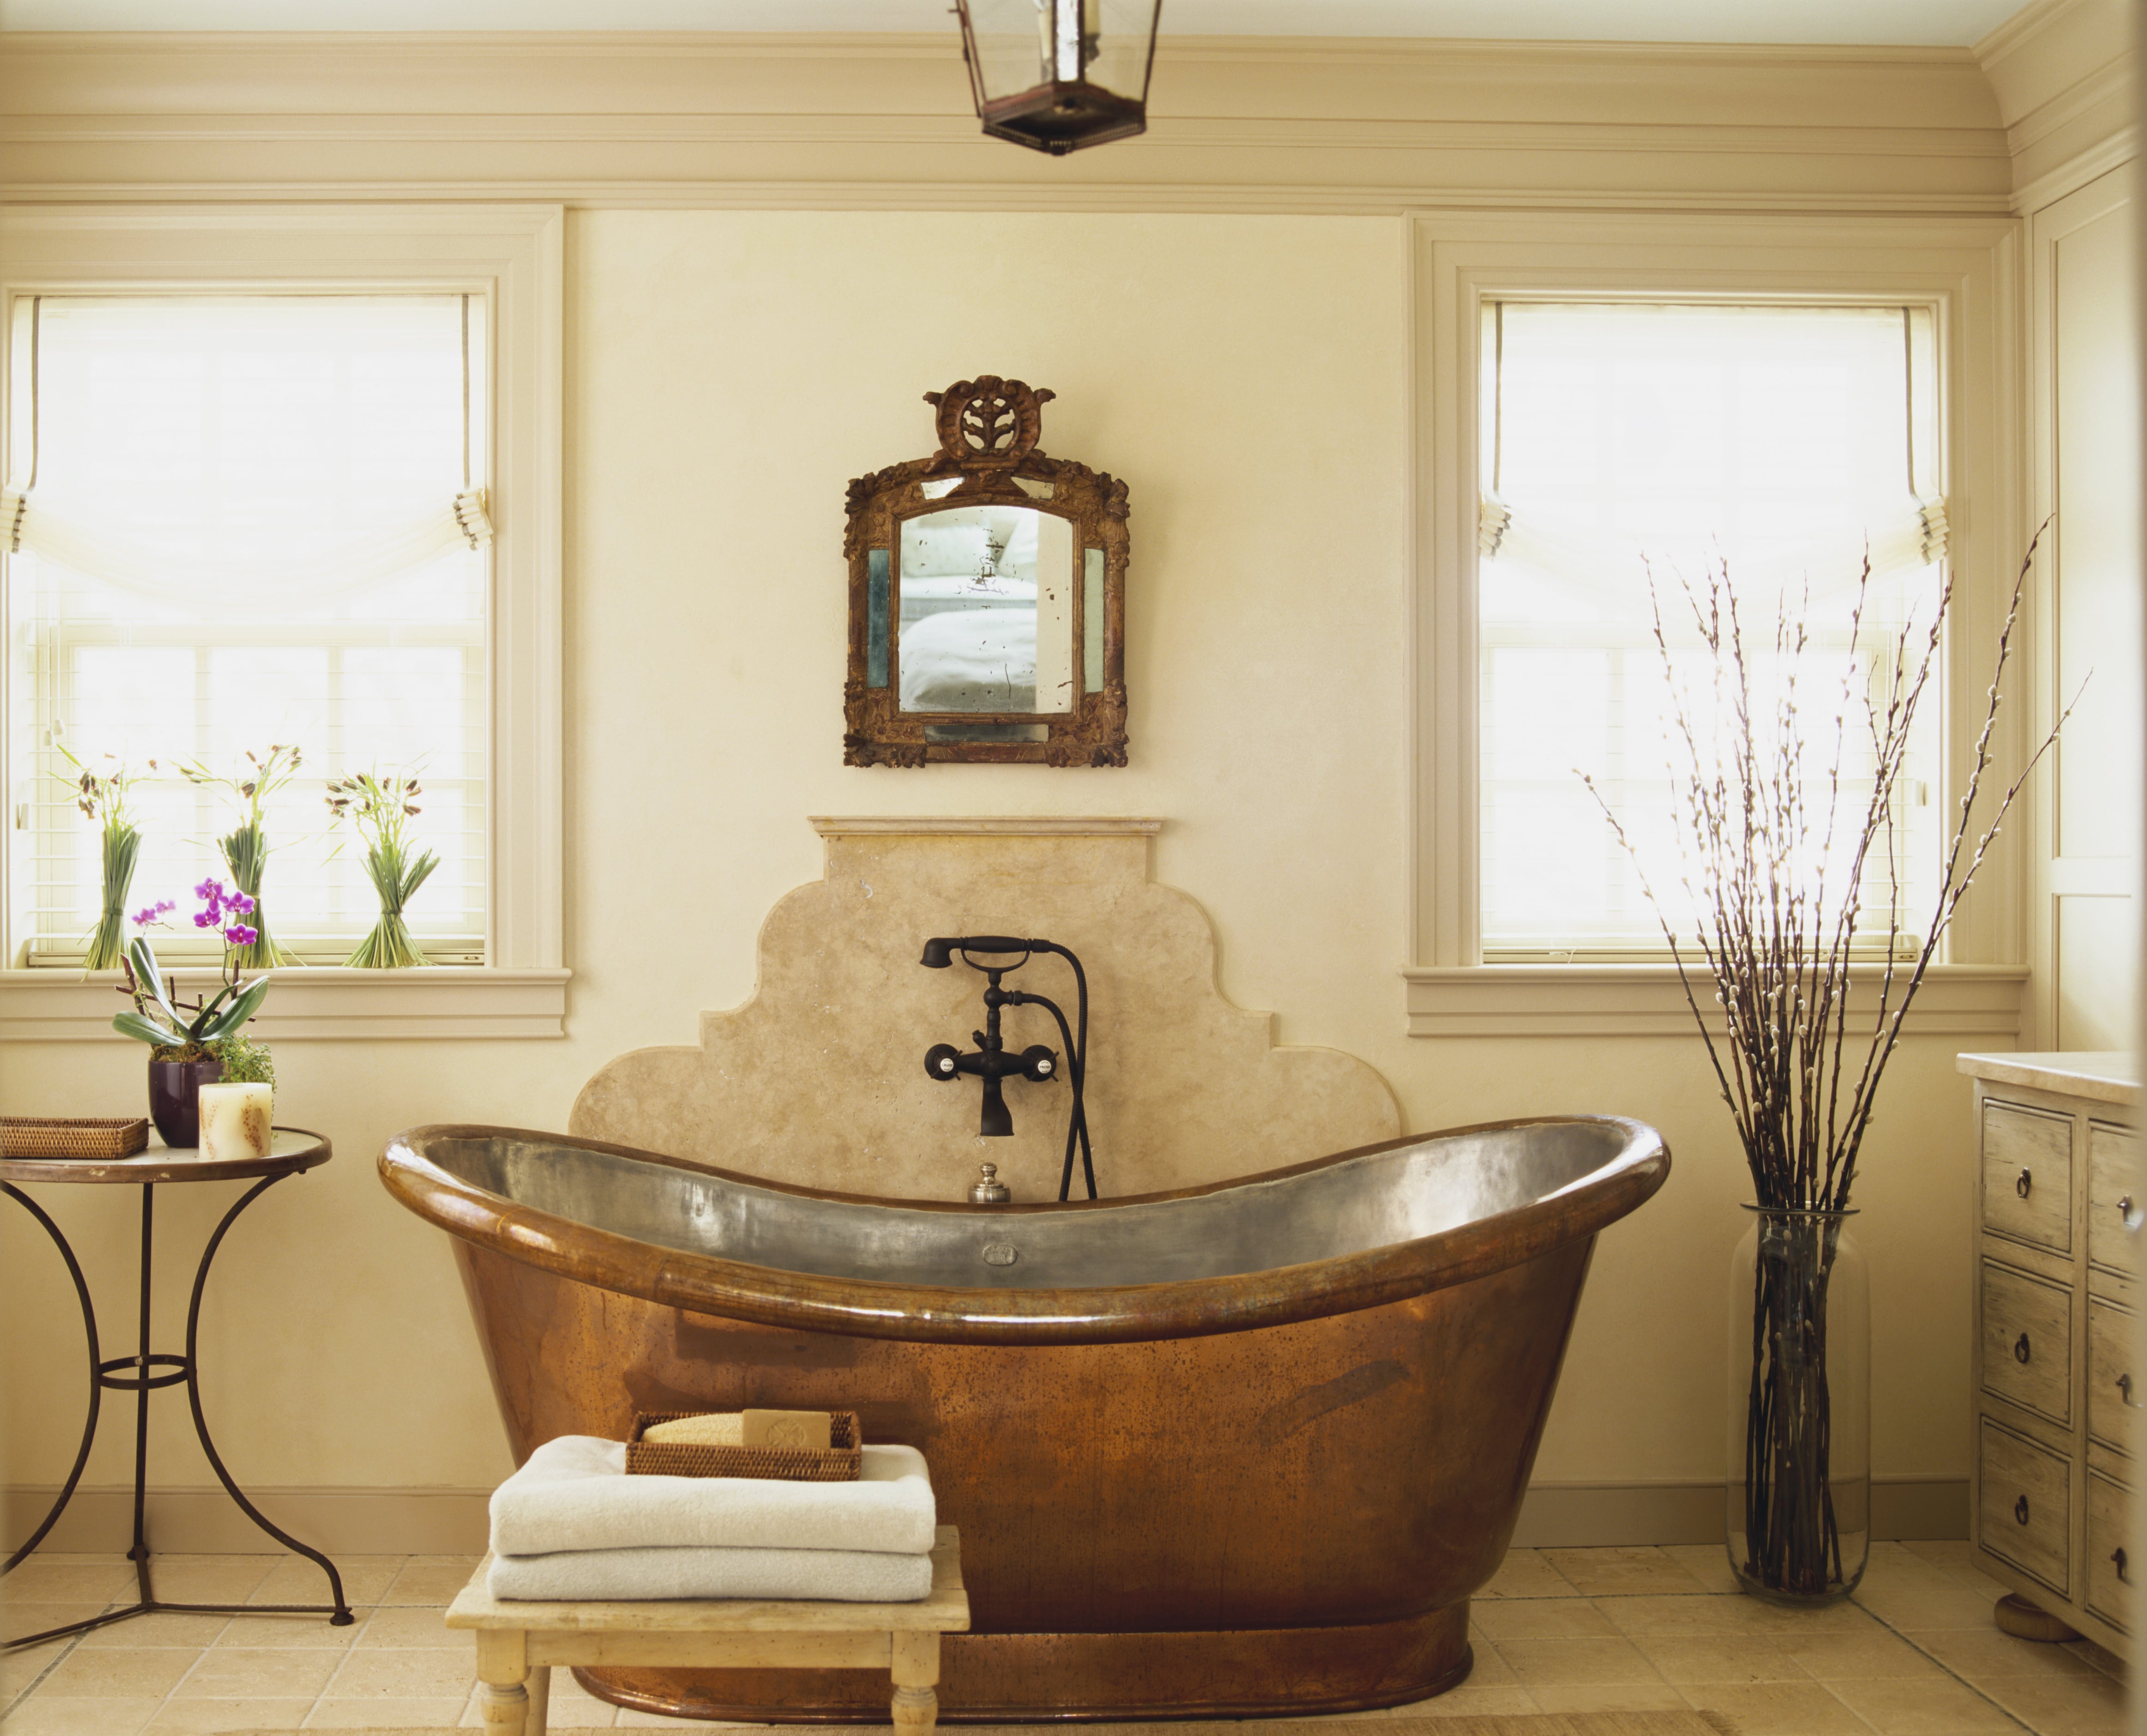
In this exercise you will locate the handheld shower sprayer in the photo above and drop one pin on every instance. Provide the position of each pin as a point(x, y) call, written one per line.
point(992, 1063)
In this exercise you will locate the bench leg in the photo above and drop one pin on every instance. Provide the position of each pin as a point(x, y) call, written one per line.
point(916, 1672)
point(540, 1700)
point(502, 1665)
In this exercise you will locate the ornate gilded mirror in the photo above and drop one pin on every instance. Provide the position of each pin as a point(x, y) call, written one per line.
point(986, 596)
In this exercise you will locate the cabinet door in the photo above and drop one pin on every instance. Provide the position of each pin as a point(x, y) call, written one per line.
point(2028, 1175)
point(2114, 1200)
point(2024, 1516)
point(2111, 1389)
point(2109, 1567)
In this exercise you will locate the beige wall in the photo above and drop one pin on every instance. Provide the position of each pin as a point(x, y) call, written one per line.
point(728, 368)
point(727, 372)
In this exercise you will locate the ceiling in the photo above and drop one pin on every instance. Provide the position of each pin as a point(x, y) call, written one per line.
point(1909, 23)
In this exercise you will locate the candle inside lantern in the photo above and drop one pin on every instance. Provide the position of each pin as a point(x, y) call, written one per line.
point(235, 1120)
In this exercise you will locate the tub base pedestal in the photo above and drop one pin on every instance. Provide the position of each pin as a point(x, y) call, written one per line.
point(1119, 1677)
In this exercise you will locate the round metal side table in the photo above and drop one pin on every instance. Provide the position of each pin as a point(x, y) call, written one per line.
point(291, 1151)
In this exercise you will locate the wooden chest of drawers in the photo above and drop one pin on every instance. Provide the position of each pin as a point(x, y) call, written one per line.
point(2057, 1273)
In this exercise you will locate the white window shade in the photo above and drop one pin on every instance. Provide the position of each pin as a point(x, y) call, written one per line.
point(246, 520)
point(1627, 447)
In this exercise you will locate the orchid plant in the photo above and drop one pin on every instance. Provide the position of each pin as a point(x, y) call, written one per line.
point(179, 1030)
point(102, 796)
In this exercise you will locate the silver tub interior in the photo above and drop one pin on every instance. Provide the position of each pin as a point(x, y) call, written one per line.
point(1378, 1200)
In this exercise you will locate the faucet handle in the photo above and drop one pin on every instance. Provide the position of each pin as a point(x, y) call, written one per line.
point(988, 1189)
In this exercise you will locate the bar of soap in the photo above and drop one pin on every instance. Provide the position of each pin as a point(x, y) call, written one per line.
point(813, 1430)
point(720, 1429)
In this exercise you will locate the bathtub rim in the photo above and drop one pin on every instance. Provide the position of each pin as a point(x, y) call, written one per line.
point(867, 1307)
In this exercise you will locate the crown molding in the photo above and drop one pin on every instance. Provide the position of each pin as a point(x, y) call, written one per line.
point(1361, 125)
point(938, 46)
point(2047, 46)
point(2062, 73)
point(2023, 26)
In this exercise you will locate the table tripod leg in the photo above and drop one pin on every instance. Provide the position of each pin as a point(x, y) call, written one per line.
point(139, 1555)
point(96, 1382)
point(342, 1617)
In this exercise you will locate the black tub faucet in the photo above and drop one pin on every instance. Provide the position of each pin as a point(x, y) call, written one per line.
point(992, 1063)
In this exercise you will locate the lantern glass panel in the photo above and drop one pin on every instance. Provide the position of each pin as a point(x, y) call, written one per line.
point(1022, 45)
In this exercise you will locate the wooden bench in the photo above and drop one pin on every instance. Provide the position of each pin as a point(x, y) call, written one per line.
point(518, 1642)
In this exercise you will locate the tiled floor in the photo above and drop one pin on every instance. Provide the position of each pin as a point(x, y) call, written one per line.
point(1559, 1630)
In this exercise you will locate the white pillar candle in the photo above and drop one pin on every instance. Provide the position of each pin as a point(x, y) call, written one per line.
point(235, 1120)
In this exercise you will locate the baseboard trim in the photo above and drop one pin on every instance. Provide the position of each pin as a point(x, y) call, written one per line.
point(1586, 1515)
point(204, 1521)
point(452, 1521)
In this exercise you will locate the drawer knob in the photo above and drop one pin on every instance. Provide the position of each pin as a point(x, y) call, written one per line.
point(2020, 1510)
point(2129, 1214)
point(2020, 1351)
point(2117, 1555)
point(2025, 1185)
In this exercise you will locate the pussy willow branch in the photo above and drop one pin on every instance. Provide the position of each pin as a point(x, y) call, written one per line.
point(1779, 959)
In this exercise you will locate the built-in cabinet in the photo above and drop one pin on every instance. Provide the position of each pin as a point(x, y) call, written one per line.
point(2057, 1391)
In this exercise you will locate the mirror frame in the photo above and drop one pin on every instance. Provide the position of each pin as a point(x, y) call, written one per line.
point(988, 429)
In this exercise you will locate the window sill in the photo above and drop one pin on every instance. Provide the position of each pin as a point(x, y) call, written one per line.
point(334, 1004)
point(1982, 1001)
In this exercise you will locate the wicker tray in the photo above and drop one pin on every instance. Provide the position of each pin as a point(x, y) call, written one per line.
point(788, 1464)
point(37, 1136)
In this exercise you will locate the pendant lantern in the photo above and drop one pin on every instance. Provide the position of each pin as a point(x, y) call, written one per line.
point(1058, 75)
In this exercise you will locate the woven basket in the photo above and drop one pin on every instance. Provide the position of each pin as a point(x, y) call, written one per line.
point(36, 1136)
point(788, 1465)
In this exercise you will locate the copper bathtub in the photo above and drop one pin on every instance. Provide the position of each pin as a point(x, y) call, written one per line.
point(1240, 1450)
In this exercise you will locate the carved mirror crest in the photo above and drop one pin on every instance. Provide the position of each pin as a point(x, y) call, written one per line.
point(986, 596)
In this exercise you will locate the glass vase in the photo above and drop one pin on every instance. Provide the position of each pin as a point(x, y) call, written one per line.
point(1800, 1409)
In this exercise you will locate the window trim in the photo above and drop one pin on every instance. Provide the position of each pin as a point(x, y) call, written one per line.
point(1966, 269)
point(514, 256)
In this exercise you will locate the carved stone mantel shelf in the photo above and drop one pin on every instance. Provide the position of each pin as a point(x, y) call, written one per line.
point(1039, 825)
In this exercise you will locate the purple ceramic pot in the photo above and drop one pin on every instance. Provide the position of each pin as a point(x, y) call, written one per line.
point(174, 1102)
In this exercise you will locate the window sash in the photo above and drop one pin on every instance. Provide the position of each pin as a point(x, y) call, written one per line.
point(1571, 854)
point(316, 893)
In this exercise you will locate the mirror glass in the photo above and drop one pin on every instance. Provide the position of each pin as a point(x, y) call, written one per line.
point(987, 611)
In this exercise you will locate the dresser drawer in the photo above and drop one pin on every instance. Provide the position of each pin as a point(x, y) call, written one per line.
point(2028, 1341)
point(2109, 1570)
point(2114, 1198)
point(2028, 1175)
point(2025, 1505)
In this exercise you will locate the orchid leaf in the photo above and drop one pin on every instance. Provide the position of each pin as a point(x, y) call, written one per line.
point(197, 1031)
point(240, 1010)
point(132, 1024)
point(143, 957)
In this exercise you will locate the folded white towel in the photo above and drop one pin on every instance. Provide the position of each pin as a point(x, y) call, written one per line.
point(848, 1576)
point(574, 1493)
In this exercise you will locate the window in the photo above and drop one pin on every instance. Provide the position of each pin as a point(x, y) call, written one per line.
point(1484, 961)
point(495, 753)
point(243, 531)
point(1633, 445)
